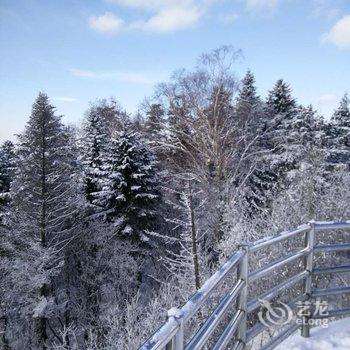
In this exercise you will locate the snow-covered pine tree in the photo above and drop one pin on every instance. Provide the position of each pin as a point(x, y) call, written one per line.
point(274, 157)
point(280, 100)
point(307, 133)
point(306, 182)
point(248, 104)
point(7, 159)
point(155, 121)
point(94, 149)
point(342, 114)
point(130, 191)
point(111, 113)
point(43, 210)
point(281, 109)
point(339, 135)
point(6, 177)
point(252, 121)
point(154, 131)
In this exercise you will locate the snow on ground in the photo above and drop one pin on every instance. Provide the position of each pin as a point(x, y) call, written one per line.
point(335, 337)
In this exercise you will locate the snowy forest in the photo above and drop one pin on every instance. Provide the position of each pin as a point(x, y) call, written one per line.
point(106, 225)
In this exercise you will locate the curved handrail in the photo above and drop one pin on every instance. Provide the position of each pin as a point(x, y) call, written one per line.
point(171, 335)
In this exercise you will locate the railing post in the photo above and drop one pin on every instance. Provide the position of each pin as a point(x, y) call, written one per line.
point(243, 295)
point(309, 243)
point(178, 342)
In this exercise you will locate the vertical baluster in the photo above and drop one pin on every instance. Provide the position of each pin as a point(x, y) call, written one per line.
point(169, 346)
point(178, 342)
point(309, 243)
point(242, 299)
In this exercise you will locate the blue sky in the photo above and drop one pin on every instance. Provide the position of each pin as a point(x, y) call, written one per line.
point(80, 50)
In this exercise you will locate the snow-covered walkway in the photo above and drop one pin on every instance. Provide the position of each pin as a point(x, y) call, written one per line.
point(335, 337)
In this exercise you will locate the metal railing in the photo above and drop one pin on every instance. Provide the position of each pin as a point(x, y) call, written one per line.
point(171, 336)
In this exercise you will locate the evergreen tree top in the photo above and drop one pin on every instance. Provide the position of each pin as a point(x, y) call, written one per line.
point(248, 93)
point(110, 113)
point(42, 109)
point(341, 116)
point(280, 100)
point(7, 155)
point(95, 127)
point(155, 118)
point(248, 85)
point(307, 126)
point(43, 185)
point(130, 188)
point(43, 125)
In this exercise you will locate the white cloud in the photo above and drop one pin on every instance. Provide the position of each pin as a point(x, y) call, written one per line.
point(123, 76)
point(161, 15)
point(261, 5)
point(148, 4)
point(170, 19)
point(64, 99)
point(107, 23)
point(325, 8)
point(339, 33)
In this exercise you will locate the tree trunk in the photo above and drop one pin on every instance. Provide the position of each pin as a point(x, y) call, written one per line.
point(42, 332)
point(4, 340)
point(194, 240)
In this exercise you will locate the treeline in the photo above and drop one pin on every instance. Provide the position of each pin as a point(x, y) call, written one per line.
point(105, 226)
